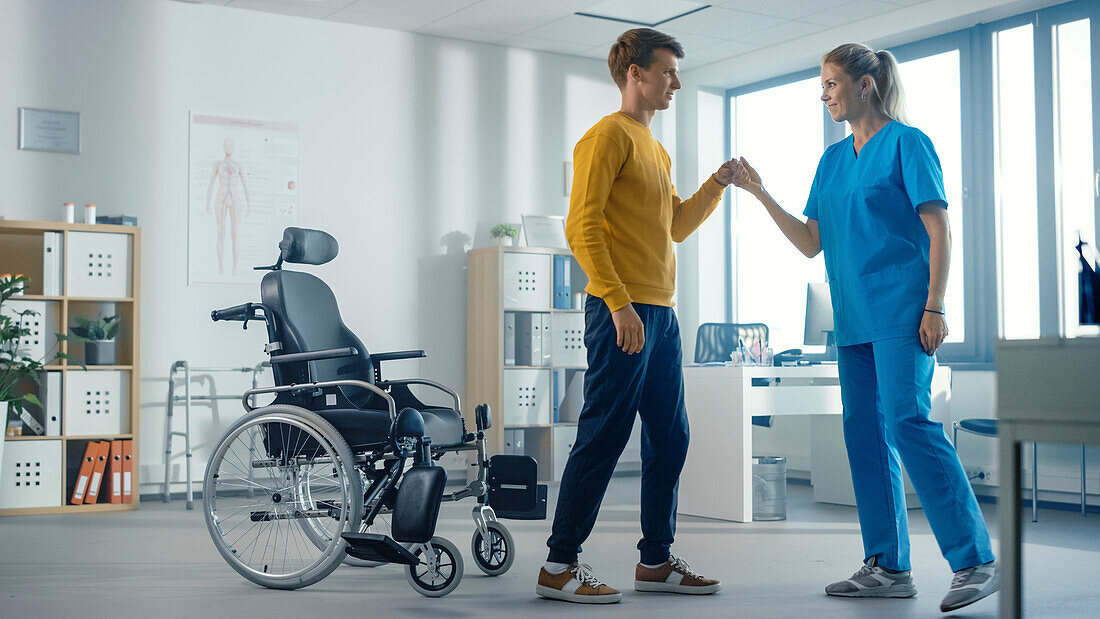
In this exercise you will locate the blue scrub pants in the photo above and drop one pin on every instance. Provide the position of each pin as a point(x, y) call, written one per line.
point(617, 388)
point(886, 390)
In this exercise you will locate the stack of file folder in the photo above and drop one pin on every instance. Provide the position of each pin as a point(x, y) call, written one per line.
point(113, 460)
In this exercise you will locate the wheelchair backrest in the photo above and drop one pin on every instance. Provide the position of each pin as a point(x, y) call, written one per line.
point(308, 319)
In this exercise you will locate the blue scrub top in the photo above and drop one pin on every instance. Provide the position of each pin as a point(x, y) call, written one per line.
point(875, 244)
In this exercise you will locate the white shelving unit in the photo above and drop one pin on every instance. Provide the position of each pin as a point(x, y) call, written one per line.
point(536, 402)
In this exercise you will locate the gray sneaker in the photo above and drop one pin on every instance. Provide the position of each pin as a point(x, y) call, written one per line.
point(970, 585)
point(871, 581)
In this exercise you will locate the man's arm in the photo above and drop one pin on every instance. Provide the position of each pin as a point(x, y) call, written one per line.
point(687, 215)
point(596, 162)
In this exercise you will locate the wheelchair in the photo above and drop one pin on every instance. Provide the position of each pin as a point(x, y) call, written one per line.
point(321, 475)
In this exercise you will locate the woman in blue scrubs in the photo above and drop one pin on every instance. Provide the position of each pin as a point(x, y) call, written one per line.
point(877, 209)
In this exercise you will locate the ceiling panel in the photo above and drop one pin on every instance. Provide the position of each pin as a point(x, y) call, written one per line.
point(787, 9)
point(500, 16)
point(461, 32)
point(577, 29)
point(850, 12)
point(784, 32)
point(721, 23)
point(545, 45)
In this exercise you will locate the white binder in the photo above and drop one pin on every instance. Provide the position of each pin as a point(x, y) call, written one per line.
point(546, 344)
point(53, 403)
point(509, 338)
point(52, 263)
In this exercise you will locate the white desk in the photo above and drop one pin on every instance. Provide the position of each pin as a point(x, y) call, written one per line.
point(1047, 391)
point(721, 401)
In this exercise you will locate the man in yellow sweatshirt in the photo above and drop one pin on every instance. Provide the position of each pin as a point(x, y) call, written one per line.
point(624, 216)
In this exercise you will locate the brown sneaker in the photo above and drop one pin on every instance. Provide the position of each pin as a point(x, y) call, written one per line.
point(674, 576)
point(576, 584)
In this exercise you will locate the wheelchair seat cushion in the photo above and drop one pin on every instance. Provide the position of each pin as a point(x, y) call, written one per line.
point(443, 425)
point(359, 428)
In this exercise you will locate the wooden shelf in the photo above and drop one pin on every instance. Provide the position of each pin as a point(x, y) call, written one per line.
point(98, 299)
point(68, 509)
point(21, 248)
point(95, 368)
point(36, 297)
point(60, 226)
point(99, 437)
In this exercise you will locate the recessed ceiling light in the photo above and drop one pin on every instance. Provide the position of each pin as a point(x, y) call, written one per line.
point(649, 13)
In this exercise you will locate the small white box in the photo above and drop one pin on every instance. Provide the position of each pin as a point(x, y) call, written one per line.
point(96, 402)
point(97, 265)
point(42, 326)
point(564, 437)
point(526, 397)
point(568, 336)
point(31, 475)
point(528, 280)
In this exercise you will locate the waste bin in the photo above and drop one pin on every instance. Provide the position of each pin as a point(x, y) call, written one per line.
point(769, 488)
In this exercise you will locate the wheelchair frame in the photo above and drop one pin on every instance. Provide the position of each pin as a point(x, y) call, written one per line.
point(382, 481)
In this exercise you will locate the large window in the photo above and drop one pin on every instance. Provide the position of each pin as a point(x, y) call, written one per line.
point(1015, 181)
point(933, 101)
point(1073, 134)
point(780, 132)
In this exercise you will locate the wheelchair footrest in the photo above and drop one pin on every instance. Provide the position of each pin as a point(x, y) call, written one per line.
point(514, 491)
point(374, 547)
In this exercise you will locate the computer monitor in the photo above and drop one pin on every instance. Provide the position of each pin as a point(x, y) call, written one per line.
point(819, 320)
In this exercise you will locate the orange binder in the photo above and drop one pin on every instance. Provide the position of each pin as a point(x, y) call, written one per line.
point(127, 471)
point(97, 472)
point(85, 473)
point(114, 473)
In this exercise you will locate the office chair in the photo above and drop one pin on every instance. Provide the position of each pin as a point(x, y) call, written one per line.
point(988, 428)
point(714, 341)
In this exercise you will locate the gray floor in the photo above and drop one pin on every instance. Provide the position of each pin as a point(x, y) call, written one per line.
point(159, 562)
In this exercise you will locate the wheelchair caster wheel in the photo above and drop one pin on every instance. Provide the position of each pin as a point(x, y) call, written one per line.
point(436, 576)
point(494, 555)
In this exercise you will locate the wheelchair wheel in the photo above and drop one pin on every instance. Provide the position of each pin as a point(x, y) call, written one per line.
point(305, 492)
point(436, 578)
point(494, 555)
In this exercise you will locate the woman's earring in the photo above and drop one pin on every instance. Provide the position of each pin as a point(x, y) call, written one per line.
point(863, 97)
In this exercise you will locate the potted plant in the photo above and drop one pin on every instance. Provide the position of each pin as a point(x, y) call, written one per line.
point(99, 338)
point(504, 234)
point(16, 368)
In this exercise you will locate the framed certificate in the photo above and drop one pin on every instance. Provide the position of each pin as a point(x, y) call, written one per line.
point(49, 130)
point(544, 231)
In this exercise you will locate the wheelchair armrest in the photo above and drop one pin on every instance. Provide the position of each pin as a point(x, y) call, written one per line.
point(385, 384)
point(315, 355)
point(379, 357)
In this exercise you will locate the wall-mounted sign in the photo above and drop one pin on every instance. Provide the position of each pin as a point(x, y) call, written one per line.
point(49, 130)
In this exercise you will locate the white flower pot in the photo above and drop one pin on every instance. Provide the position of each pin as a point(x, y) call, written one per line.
point(504, 241)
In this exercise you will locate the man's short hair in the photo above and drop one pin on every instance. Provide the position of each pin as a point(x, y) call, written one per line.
point(636, 47)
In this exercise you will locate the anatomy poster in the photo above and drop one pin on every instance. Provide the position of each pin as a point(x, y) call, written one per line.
point(243, 190)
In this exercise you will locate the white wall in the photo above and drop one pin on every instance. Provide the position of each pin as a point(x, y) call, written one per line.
point(404, 138)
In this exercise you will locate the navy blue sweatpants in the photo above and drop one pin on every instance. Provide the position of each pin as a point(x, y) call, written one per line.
point(617, 387)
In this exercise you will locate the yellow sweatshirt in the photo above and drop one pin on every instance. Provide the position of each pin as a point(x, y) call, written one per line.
point(624, 213)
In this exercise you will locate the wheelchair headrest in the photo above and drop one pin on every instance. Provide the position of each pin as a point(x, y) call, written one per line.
point(305, 246)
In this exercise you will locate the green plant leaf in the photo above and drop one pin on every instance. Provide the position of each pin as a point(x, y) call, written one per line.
point(32, 399)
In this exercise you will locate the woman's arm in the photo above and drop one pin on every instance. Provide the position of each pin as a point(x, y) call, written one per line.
point(933, 326)
point(804, 235)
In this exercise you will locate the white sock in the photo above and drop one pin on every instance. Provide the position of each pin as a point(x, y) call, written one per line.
point(555, 568)
point(654, 566)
